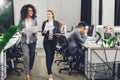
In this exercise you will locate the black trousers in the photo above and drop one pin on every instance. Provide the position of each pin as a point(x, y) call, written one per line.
point(49, 47)
point(32, 48)
point(80, 58)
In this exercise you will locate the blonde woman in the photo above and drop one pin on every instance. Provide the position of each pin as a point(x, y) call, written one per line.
point(63, 27)
point(50, 40)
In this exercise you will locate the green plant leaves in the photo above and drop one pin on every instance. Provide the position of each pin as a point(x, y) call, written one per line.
point(99, 35)
point(104, 41)
point(5, 17)
point(111, 41)
point(9, 33)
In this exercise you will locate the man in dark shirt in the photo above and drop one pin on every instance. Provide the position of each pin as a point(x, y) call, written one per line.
point(76, 38)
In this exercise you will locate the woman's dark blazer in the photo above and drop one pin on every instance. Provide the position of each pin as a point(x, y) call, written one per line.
point(56, 24)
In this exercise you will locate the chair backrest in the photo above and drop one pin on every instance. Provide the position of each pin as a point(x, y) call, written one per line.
point(64, 48)
point(65, 40)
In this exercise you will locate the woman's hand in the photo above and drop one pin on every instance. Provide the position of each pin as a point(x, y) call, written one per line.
point(84, 32)
point(35, 33)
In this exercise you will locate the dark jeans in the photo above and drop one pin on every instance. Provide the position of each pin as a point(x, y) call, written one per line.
point(32, 48)
point(80, 58)
point(49, 47)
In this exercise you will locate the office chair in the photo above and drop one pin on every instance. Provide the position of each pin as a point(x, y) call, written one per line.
point(75, 61)
point(72, 27)
point(63, 50)
point(13, 59)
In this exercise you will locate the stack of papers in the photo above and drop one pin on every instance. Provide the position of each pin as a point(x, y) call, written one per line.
point(29, 31)
point(48, 27)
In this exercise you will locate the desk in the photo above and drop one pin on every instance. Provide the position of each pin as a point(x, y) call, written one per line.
point(101, 63)
point(3, 65)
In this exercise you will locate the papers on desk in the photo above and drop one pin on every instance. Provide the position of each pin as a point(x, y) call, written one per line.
point(90, 38)
point(91, 44)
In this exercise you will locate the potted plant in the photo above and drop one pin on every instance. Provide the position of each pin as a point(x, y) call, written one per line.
point(110, 42)
point(8, 35)
point(4, 17)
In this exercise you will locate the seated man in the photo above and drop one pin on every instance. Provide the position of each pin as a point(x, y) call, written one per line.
point(76, 38)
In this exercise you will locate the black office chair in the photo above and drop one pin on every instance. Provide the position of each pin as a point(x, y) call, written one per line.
point(72, 28)
point(75, 61)
point(63, 50)
point(14, 55)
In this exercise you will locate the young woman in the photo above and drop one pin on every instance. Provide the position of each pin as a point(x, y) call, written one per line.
point(49, 42)
point(28, 39)
point(63, 30)
point(63, 27)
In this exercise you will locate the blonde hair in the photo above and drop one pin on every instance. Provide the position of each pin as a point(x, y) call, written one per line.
point(51, 11)
point(105, 27)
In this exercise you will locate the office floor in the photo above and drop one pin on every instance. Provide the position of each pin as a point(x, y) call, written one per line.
point(40, 73)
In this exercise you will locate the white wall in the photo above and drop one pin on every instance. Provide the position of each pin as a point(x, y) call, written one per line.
point(108, 12)
point(69, 10)
point(95, 12)
point(64, 9)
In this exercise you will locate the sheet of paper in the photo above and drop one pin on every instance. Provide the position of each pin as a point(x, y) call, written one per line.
point(48, 27)
point(30, 30)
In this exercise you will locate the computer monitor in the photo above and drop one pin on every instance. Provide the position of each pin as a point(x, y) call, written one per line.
point(90, 30)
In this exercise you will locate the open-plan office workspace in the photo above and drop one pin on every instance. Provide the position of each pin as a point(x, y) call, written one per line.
point(59, 40)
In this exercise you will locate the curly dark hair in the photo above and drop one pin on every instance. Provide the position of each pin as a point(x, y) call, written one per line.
point(24, 11)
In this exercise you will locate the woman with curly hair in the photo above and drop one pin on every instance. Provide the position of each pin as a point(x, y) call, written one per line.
point(28, 41)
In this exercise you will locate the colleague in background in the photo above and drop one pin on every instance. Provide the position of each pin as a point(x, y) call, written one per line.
point(28, 40)
point(75, 40)
point(77, 37)
point(111, 31)
point(106, 32)
point(63, 27)
point(63, 30)
point(50, 41)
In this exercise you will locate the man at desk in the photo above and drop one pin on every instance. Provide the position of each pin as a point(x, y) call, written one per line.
point(76, 38)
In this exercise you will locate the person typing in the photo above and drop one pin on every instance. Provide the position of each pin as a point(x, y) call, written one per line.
point(76, 38)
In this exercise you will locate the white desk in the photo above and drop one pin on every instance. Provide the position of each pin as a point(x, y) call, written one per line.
point(98, 60)
point(3, 65)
